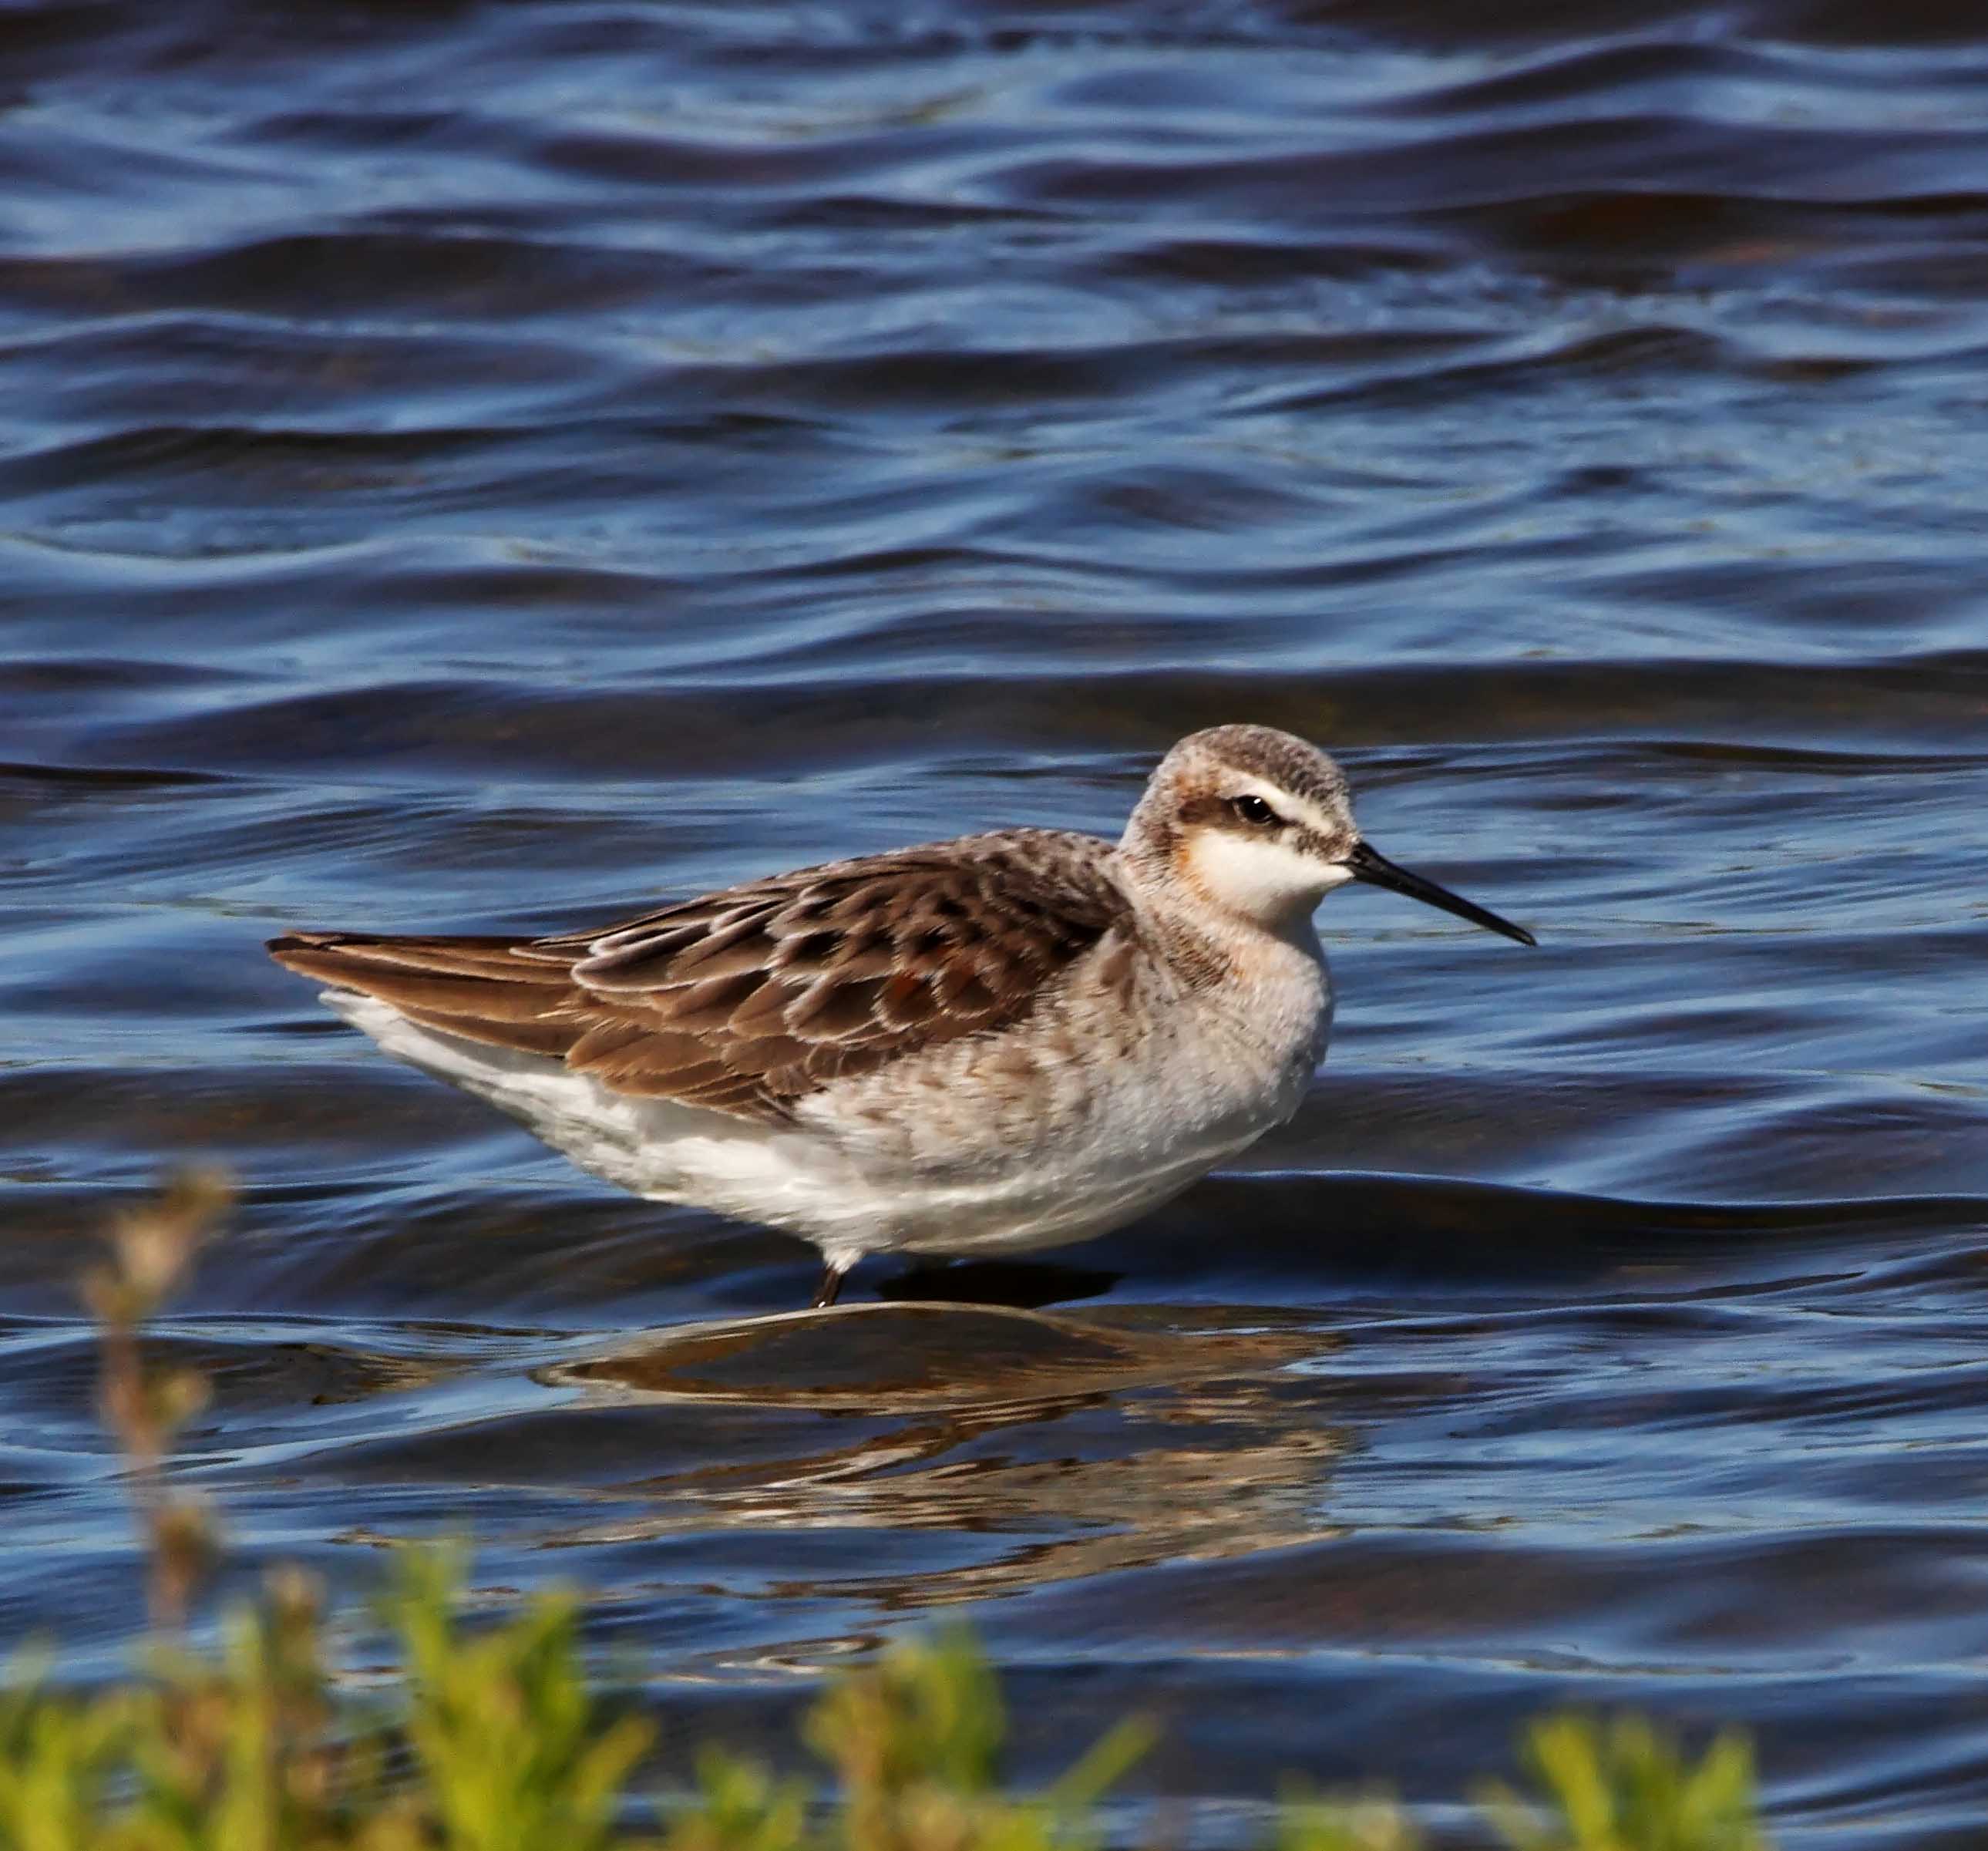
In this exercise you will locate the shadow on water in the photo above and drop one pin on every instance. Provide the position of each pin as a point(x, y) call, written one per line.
point(1070, 1445)
point(865, 1357)
point(1025, 1285)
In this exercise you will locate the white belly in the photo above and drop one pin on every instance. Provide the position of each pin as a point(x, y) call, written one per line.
point(955, 1167)
point(1056, 1140)
point(656, 1147)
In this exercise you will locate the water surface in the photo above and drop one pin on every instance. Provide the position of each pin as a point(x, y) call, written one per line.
point(487, 467)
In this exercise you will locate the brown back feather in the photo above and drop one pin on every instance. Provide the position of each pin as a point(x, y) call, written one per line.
point(748, 1000)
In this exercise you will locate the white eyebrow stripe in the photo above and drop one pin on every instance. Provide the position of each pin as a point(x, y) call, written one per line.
point(1291, 807)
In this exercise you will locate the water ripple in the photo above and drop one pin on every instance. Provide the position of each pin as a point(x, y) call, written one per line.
point(471, 467)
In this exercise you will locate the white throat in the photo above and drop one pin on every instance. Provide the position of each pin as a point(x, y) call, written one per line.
point(1267, 883)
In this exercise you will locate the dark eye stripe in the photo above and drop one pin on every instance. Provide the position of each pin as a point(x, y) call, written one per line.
point(1253, 809)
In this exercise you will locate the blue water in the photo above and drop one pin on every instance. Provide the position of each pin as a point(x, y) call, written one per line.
point(488, 467)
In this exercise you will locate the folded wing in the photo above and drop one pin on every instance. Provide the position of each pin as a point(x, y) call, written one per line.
point(746, 1001)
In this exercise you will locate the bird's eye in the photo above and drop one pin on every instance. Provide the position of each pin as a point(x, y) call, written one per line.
point(1252, 809)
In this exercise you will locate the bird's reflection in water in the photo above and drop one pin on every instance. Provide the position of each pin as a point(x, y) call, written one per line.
point(1054, 1446)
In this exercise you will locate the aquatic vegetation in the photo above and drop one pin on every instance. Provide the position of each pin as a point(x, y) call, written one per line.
point(499, 1744)
point(497, 1741)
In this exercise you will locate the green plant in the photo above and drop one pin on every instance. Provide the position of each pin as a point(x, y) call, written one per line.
point(152, 1250)
point(914, 1741)
point(1306, 1822)
point(1623, 1785)
point(513, 1751)
point(57, 1757)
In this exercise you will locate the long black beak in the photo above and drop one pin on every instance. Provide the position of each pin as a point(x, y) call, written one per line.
point(1375, 868)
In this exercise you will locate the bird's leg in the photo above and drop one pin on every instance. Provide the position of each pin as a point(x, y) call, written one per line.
point(832, 1277)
